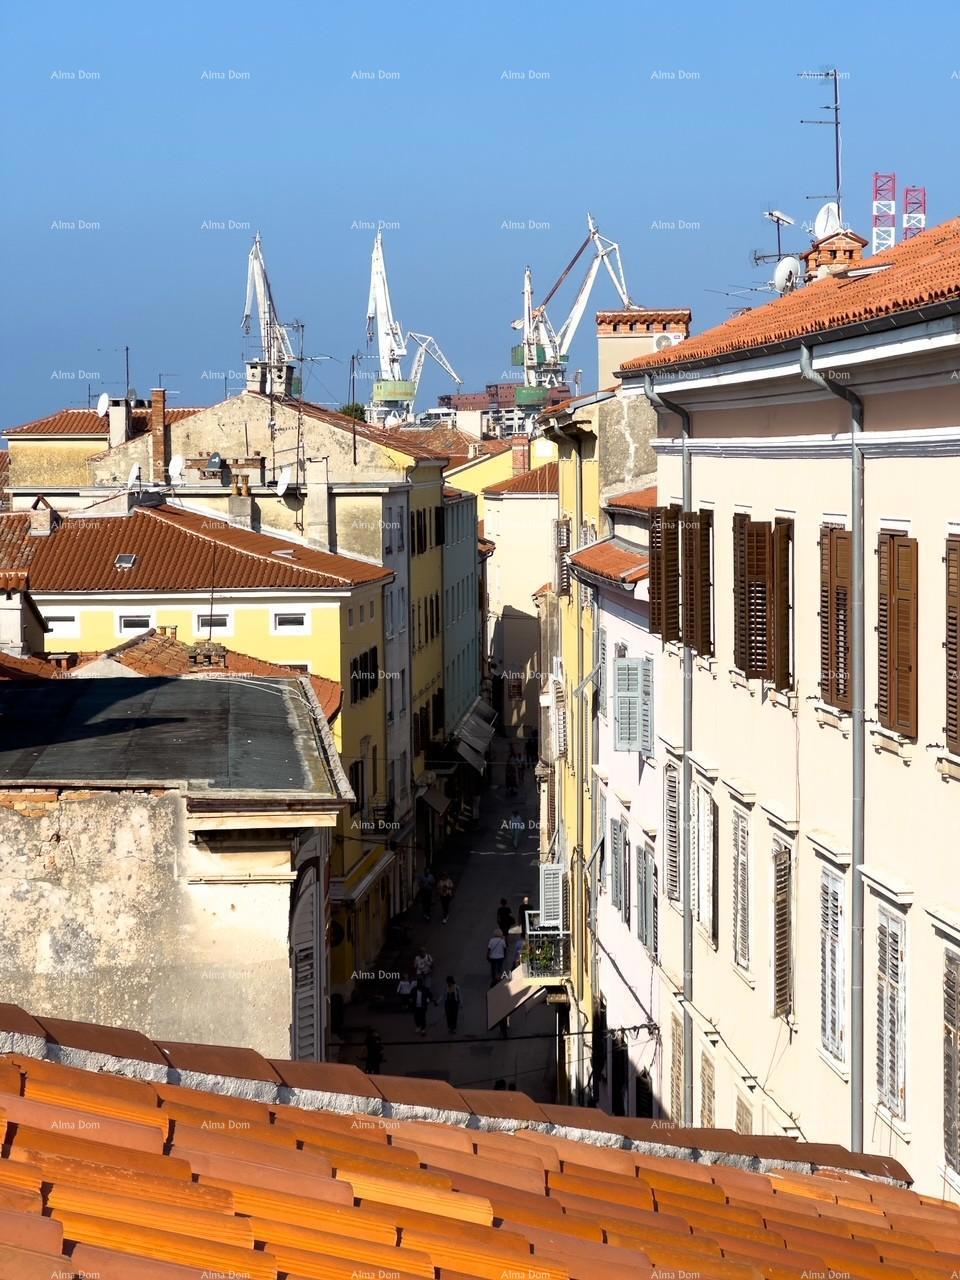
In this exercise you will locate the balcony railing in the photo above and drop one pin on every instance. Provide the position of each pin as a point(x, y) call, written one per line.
point(547, 955)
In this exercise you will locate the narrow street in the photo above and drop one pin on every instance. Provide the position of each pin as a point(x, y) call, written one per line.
point(484, 868)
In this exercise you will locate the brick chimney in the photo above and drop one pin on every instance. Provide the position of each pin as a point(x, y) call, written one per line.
point(832, 254)
point(208, 655)
point(43, 518)
point(158, 435)
point(520, 452)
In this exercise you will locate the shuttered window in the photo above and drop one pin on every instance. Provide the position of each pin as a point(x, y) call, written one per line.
point(744, 1120)
point(562, 550)
point(626, 693)
point(697, 581)
point(835, 588)
point(676, 1070)
point(551, 895)
point(305, 962)
point(646, 706)
point(703, 858)
point(897, 633)
point(671, 831)
point(763, 599)
point(832, 977)
point(602, 671)
point(783, 604)
point(626, 874)
point(665, 572)
point(782, 930)
point(741, 890)
point(647, 899)
point(952, 645)
point(891, 1024)
point(560, 718)
point(616, 862)
point(951, 1060)
point(706, 1092)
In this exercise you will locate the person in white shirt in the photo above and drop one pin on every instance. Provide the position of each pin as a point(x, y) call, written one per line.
point(496, 951)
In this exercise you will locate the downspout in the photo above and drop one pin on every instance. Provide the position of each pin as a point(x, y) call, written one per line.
point(858, 725)
point(577, 917)
point(661, 403)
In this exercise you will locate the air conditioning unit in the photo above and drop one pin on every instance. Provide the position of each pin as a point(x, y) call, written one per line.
point(665, 340)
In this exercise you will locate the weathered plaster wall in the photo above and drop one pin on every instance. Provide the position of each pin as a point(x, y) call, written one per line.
point(627, 424)
point(58, 463)
point(101, 925)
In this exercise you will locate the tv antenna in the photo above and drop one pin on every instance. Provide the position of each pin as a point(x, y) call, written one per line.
point(834, 109)
point(780, 220)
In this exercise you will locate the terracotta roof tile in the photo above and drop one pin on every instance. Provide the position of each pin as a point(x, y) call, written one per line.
point(87, 422)
point(414, 1092)
point(118, 1042)
point(107, 1264)
point(636, 499)
point(325, 1077)
point(917, 272)
point(401, 439)
point(503, 1104)
point(612, 559)
point(218, 1060)
point(539, 481)
point(16, 1021)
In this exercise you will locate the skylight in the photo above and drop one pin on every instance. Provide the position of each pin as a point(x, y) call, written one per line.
point(125, 561)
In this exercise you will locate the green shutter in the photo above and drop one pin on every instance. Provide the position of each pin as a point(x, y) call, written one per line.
point(646, 706)
point(627, 702)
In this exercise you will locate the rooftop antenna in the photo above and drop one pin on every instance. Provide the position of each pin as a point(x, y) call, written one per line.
point(161, 376)
point(787, 274)
point(780, 220)
point(834, 108)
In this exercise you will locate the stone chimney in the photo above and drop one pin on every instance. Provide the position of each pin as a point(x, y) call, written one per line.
point(642, 331)
point(43, 519)
point(119, 420)
point(208, 655)
point(169, 632)
point(520, 452)
point(270, 379)
point(832, 254)
point(158, 435)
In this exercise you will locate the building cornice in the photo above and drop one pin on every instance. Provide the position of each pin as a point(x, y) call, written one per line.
point(924, 443)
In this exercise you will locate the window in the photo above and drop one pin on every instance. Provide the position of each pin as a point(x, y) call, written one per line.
point(361, 613)
point(782, 930)
point(762, 599)
point(212, 622)
point(665, 572)
point(355, 774)
point(741, 890)
point(389, 616)
point(389, 702)
point(560, 719)
point(952, 645)
point(671, 831)
point(403, 690)
point(891, 1023)
point(391, 782)
point(373, 609)
point(400, 523)
point(704, 857)
point(289, 622)
point(64, 624)
point(647, 899)
point(706, 1092)
point(676, 1070)
point(364, 675)
point(698, 581)
point(897, 633)
point(135, 622)
point(403, 608)
point(633, 704)
point(951, 1060)
point(835, 586)
point(349, 617)
point(616, 862)
point(561, 539)
point(388, 531)
point(403, 773)
point(832, 977)
point(744, 1121)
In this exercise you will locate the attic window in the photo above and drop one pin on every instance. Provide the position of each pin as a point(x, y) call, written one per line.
point(125, 561)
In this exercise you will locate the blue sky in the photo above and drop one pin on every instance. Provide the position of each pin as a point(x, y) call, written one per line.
point(451, 138)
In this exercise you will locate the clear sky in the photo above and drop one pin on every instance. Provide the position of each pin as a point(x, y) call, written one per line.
point(676, 125)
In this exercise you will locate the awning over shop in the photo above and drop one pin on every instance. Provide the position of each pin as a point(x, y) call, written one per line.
point(507, 997)
point(474, 732)
point(437, 801)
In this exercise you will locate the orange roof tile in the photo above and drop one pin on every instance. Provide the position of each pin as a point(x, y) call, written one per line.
point(176, 550)
point(613, 559)
point(263, 1189)
point(916, 273)
point(401, 439)
point(87, 422)
point(539, 481)
point(636, 499)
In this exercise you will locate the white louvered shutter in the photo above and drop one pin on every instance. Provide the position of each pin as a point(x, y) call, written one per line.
point(951, 1061)
point(626, 693)
point(741, 890)
point(782, 930)
point(831, 964)
point(671, 829)
point(890, 1020)
point(646, 706)
point(602, 690)
point(306, 962)
point(551, 895)
point(707, 846)
point(616, 861)
point(626, 877)
point(694, 849)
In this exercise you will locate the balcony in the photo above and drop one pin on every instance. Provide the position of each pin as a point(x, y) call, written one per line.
point(546, 958)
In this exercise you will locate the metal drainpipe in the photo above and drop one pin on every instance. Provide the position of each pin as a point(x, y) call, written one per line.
point(577, 920)
point(662, 403)
point(858, 725)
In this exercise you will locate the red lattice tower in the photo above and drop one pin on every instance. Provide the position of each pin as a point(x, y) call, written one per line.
point(884, 211)
point(914, 211)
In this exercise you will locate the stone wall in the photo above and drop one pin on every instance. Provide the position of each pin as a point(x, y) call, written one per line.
point(627, 425)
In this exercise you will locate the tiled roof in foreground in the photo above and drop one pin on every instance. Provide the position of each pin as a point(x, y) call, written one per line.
point(125, 1153)
point(919, 272)
point(613, 559)
point(87, 422)
point(636, 500)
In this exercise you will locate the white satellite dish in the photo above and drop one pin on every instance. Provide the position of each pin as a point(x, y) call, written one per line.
point(175, 470)
point(787, 274)
point(134, 477)
point(268, 384)
point(283, 481)
point(827, 221)
point(103, 405)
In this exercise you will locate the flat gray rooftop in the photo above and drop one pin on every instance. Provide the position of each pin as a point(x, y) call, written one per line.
point(226, 734)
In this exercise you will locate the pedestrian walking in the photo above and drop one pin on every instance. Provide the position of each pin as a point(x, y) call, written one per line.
point(405, 990)
point(505, 920)
point(425, 885)
point(496, 950)
point(445, 890)
point(423, 968)
point(374, 1053)
point(451, 1004)
point(522, 910)
point(516, 828)
point(422, 999)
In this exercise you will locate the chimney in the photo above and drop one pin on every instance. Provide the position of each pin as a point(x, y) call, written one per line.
point(43, 519)
point(520, 451)
point(268, 379)
point(158, 435)
point(119, 420)
point(208, 655)
point(833, 254)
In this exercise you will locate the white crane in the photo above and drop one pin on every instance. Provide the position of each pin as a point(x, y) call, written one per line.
point(277, 349)
point(393, 394)
point(543, 352)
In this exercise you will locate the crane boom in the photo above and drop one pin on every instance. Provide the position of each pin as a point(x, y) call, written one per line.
point(427, 346)
point(390, 342)
point(275, 343)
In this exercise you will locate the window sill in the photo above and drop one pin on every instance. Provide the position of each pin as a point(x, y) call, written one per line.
point(673, 648)
point(948, 767)
point(707, 937)
point(707, 665)
point(780, 698)
point(740, 681)
point(838, 1068)
point(832, 718)
point(745, 976)
point(898, 1126)
point(893, 743)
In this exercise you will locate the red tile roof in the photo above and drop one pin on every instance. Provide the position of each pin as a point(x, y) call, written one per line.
point(87, 422)
point(157, 653)
point(458, 447)
point(400, 439)
point(917, 272)
point(636, 500)
point(105, 1174)
point(612, 559)
point(543, 480)
point(12, 668)
point(176, 550)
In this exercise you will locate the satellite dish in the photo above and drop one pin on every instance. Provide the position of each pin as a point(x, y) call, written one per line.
point(787, 274)
point(268, 385)
point(214, 462)
point(134, 477)
point(283, 481)
point(827, 221)
point(516, 324)
point(132, 395)
point(103, 405)
point(175, 470)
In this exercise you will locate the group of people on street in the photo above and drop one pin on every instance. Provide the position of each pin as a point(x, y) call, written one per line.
point(426, 884)
point(506, 943)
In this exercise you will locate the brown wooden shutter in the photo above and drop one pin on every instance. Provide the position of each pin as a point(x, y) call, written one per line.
point(897, 558)
point(671, 574)
point(952, 645)
point(885, 675)
point(782, 540)
point(704, 640)
point(676, 1070)
point(951, 1061)
point(697, 597)
point(706, 1092)
point(782, 932)
point(740, 524)
point(835, 588)
point(828, 684)
point(759, 657)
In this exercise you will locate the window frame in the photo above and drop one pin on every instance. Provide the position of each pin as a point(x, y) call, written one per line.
point(303, 628)
point(201, 630)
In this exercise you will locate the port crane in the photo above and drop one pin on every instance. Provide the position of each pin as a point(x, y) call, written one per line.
point(543, 352)
point(277, 349)
point(393, 394)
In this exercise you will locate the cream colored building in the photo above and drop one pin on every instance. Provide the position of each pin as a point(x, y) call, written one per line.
point(784, 417)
